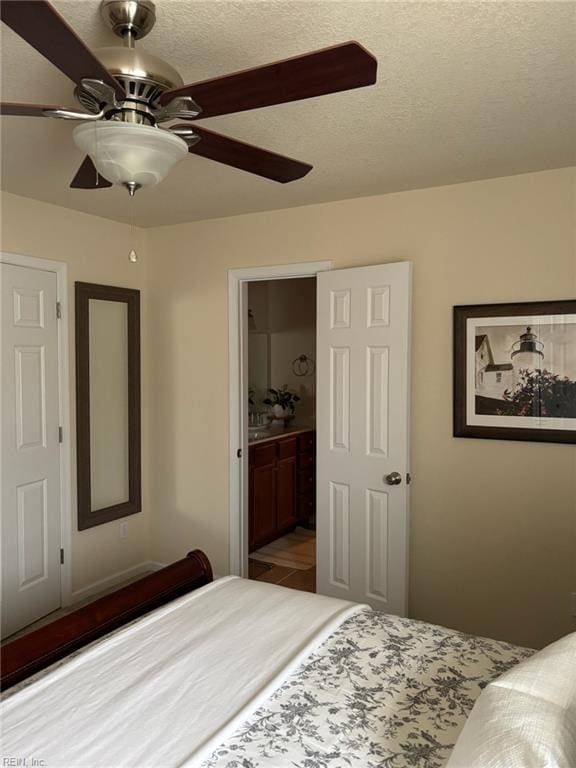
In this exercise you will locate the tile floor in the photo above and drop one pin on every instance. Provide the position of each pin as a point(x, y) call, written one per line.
point(286, 577)
point(290, 562)
point(296, 550)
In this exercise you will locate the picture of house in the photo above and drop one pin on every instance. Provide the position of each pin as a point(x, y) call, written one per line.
point(492, 379)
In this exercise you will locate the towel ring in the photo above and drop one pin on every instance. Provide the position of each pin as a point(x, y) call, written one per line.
point(303, 366)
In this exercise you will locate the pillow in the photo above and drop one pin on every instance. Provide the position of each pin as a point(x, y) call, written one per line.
point(527, 717)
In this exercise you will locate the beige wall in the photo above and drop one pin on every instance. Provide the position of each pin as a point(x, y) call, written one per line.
point(492, 522)
point(96, 250)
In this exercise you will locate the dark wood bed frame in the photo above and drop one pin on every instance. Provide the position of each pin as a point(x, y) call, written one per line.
point(39, 649)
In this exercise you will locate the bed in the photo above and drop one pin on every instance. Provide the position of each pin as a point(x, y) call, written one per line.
point(243, 674)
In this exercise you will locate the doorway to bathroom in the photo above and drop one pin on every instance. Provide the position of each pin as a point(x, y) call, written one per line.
point(281, 343)
point(265, 455)
point(360, 430)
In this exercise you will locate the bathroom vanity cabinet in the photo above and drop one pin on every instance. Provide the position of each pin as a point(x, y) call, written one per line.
point(282, 485)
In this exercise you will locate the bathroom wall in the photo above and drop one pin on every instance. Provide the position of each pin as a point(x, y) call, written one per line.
point(292, 317)
point(286, 309)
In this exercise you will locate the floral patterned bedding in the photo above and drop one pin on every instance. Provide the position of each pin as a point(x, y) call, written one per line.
point(381, 692)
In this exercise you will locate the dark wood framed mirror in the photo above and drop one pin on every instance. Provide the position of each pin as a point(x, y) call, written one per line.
point(107, 403)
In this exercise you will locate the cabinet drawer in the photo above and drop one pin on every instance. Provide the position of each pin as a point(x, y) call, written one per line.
point(306, 481)
point(307, 442)
point(306, 460)
point(286, 448)
point(263, 454)
point(306, 504)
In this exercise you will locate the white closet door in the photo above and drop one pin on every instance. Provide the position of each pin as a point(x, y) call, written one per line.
point(30, 448)
point(363, 328)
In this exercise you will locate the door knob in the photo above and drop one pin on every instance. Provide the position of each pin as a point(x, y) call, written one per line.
point(394, 478)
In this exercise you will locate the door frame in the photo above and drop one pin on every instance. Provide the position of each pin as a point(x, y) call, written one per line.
point(238, 280)
point(60, 268)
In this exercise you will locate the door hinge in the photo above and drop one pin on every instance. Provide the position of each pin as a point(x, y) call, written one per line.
point(60, 435)
point(408, 478)
point(58, 310)
point(61, 557)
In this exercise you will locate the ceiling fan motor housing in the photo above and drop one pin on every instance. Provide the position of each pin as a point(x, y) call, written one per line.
point(143, 76)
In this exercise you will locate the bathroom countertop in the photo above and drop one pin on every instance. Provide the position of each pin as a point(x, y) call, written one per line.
point(274, 434)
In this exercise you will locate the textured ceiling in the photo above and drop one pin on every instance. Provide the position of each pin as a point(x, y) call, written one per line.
point(466, 90)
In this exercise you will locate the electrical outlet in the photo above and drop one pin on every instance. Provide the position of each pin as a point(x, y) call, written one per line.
point(573, 604)
point(124, 529)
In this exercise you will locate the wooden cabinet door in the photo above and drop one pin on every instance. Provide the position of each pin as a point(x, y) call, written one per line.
point(263, 504)
point(286, 492)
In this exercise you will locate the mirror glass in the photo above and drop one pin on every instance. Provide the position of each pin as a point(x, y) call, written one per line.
point(109, 424)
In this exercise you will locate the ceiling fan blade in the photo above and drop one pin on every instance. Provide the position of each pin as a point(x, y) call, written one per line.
point(42, 27)
point(329, 70)
point(246, 157)
point(25, 110)
point(88, 177)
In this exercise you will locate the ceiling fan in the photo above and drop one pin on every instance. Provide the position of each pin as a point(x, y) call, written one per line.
point(127, 95)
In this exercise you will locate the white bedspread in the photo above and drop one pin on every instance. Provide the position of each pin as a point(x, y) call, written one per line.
point(168, 689)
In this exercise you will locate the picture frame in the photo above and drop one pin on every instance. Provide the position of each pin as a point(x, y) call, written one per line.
point(515, 371)
point(108, 403)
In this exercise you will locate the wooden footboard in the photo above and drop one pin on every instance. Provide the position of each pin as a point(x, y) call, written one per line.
point(37, 650)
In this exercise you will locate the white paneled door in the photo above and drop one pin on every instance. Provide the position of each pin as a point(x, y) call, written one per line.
point(30, 447)
point(363, 329)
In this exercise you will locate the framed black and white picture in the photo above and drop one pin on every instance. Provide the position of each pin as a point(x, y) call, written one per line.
point(515, 371)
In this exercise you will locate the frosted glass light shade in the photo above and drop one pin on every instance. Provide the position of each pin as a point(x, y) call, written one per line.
point(126, 153)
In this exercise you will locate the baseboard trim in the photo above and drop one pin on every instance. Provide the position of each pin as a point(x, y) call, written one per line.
point(114, 580)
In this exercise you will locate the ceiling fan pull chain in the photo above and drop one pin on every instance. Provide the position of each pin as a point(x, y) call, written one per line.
point(132, 256)
point(96, 154)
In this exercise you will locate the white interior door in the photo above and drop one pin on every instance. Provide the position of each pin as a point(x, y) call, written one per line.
point(363, 329)
point(30, 447)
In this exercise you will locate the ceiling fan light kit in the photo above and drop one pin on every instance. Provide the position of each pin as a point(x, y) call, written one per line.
point(128, 154)
point(126, 94)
